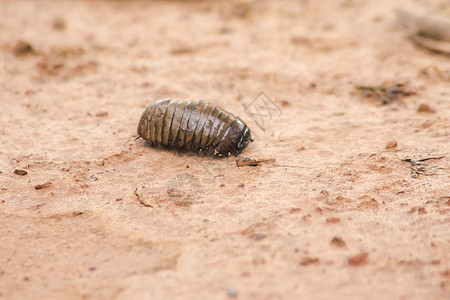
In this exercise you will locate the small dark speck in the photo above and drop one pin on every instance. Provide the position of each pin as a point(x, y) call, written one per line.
point(241, 185)
point(92, 268)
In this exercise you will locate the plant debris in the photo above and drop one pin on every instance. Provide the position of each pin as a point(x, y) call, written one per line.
point(141, 199)
point(43, 185)
point(431, 45)
point(20, 172)
point(424, 24)
point(428, 31)
point(246, 161)
point(386, 94)
point(418, 167)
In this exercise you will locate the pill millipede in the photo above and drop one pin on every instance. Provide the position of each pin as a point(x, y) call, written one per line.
point(195, 126)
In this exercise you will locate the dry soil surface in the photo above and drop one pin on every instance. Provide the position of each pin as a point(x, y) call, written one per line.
point(332, 211)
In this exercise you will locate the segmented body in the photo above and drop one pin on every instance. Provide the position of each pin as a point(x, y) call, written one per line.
point(194, 126)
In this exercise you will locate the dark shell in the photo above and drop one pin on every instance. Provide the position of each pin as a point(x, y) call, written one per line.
point(194, 126)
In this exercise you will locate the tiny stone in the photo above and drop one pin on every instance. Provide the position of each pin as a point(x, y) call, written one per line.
point(358, 259)
point(337, 241)
point(333, 220)
point(308, 260)
point(391, 144)
point(22, 48)
point(425, 108)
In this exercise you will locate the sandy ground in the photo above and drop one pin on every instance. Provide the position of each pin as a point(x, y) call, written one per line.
point(329, 213)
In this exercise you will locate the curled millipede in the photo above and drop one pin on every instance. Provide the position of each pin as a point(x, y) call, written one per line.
point(195, 126)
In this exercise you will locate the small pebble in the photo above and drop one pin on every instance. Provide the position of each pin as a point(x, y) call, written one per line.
point(358, 259)
point(337, 241)
point(391, 144)
point(425, 108)
point(333, 220)
point(308, 260)
point(22, 48)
